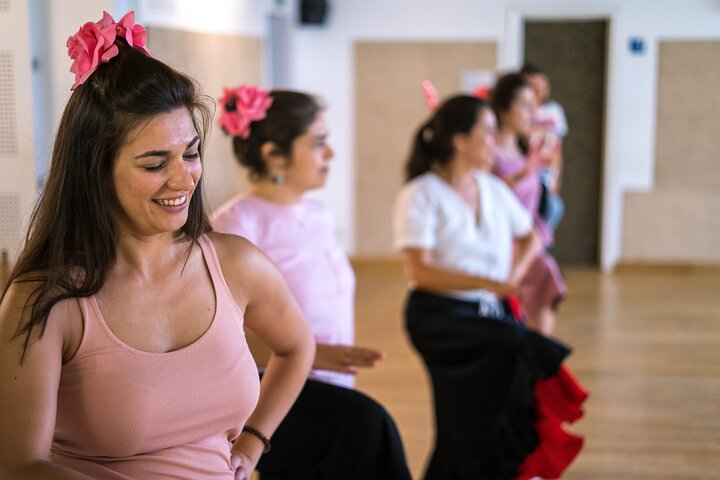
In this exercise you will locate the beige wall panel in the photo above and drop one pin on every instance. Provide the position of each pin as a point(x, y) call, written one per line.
point(687, 150)
point(389, 108)
point(678, 221)
point(672, 226)
point(688, 114)
point(215, 61)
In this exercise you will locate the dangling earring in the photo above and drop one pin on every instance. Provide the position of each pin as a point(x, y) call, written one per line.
point(278, 179)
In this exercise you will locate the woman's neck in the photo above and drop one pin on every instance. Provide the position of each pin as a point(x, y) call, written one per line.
point(455, 172)
point(506, 138)
point(271, 192)
point(149, 257)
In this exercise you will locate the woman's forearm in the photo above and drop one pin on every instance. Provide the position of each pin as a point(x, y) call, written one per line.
point(282, 382)
point(432, 277)
point(528, 248)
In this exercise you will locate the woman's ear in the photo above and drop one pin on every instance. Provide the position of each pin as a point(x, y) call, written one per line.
point(459, 140)
point(273, 156)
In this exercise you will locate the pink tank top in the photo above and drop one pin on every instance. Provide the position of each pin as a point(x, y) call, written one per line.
point(127, 414)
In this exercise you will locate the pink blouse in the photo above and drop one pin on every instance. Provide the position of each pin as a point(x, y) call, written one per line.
point(527, 189)
point(300, 239)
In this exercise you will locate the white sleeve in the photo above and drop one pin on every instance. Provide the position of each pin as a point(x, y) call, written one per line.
point(521, 222)
point(562, 126)
point(414, 219)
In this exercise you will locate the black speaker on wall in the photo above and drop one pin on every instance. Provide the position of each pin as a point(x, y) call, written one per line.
point(313, 12)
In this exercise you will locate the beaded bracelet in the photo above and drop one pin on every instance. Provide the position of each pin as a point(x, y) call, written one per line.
point(254, 431)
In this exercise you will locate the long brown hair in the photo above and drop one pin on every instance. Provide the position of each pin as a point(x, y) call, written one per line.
point(502, 97)
point(71, 242)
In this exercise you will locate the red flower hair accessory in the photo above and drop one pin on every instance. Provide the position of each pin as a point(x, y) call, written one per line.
point(482, 92)
point(431, 96)
point(240, 106)
point(94, 43)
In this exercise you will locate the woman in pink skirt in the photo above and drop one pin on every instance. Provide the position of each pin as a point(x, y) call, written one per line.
point(515, 162)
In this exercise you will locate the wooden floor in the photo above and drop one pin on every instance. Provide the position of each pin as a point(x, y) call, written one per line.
point(646, 344)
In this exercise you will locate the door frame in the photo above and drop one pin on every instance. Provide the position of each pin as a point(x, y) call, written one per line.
point(511, 56)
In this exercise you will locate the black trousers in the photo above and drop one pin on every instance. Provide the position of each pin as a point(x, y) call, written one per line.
point(483, 372)
point(335, 433)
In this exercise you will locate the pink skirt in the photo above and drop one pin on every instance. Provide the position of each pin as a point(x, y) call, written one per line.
point(543, 285)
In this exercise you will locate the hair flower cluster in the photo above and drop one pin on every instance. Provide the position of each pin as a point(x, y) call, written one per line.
point(240, 106)
point(134, 34)
point(431, 95)
point(94, 43)
point(482, 92)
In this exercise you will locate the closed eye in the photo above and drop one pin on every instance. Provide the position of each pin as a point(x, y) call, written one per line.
point(192, 156)
point(154, 168)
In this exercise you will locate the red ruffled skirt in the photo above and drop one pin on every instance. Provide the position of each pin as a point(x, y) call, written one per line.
point(559, 401)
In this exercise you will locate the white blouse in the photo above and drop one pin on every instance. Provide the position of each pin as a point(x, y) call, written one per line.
point(430, 215)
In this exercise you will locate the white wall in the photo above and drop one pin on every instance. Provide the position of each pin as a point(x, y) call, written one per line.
point(17, 179)
point(242, 17)
point(52, 22)
point(322, 62)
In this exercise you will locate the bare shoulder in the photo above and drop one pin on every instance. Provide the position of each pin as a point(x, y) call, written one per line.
point(229, 242)
point(64, 323)
point(236, 252)
point(246, 268)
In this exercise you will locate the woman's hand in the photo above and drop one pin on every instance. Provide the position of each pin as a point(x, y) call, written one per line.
point(242, 465)
point(345, 359)
point(506, 289)
point(245, 455)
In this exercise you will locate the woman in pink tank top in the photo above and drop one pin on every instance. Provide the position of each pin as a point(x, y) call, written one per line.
point(122, 327)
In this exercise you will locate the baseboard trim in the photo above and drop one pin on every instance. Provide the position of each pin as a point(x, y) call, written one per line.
point(666, 266)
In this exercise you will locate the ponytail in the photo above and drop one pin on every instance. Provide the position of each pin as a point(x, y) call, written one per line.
point(433, 142)
point(421, 157)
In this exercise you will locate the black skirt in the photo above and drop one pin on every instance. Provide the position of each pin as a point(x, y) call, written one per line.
point(485, 375)
point(334, 433)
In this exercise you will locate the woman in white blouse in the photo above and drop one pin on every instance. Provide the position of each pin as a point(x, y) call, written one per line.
point(466, 243)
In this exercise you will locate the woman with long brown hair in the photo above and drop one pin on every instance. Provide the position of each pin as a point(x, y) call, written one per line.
point(122, 350)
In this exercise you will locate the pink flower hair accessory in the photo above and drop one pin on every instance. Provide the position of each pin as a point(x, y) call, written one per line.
point(431, 95)
point(240, 106)
point(134, 34)
point(94, 43)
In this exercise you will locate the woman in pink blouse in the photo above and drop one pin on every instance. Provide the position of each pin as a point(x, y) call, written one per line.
point(333, 431)
point(513, 101)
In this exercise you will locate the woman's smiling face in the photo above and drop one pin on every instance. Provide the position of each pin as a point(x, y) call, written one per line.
point(155, 174)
